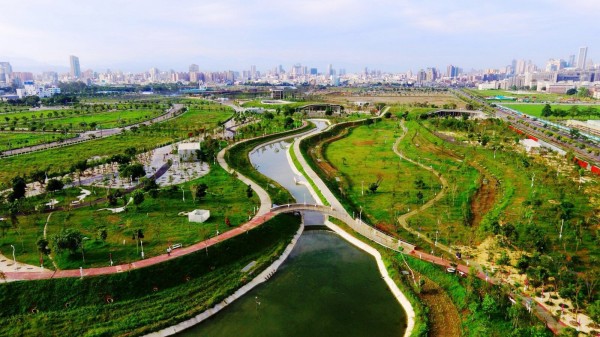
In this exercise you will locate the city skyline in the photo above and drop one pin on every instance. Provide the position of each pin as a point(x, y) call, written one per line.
point(348, 34)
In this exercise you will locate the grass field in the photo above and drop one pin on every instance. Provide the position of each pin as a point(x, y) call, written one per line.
point(364, 156)
point(59, 160)
point(15, 140)
point(536, 110)
point(158, 218)
point(532, 96)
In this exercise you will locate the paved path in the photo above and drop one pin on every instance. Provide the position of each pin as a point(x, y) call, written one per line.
point(90, 135)
point(263, 215)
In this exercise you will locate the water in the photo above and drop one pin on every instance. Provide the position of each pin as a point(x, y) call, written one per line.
point(326, 287)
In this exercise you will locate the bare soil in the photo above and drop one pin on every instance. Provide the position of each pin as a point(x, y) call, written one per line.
point(444, 318)
point(484, 198)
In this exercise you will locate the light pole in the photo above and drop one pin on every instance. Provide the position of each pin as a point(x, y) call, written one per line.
point(436, 237)
point(142, 245)
point(82, 252)
point(362, 187)
point(183, 192)
point(14, 258)
point(360, 215)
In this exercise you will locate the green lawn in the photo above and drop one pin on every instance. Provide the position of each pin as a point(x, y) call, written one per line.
point(366, 154)
point(15, 140)
point(59, 160)
point(158, 218)
point(536, 110)
point(532, 96)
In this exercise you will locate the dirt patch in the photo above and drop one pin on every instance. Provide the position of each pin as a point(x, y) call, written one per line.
point(443, 316)
point(484, 198)
point(364, 143)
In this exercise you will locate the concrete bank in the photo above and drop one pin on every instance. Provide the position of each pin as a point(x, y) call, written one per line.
point(260, 278)
point(404, 302)
point(400, 297)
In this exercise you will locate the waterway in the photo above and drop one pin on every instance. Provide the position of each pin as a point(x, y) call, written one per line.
point(326, 287)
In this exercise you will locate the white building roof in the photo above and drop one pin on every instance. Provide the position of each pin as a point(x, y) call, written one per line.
point(188, 146)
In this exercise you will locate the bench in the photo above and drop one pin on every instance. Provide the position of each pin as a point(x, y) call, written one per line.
point(177, 245)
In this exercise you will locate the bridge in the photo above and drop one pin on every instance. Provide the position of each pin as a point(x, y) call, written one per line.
point(321, 107)
point(357, 225)
point(477, 114)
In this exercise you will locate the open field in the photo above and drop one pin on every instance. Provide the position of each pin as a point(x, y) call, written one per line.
point(365, 155)
point(15, 140)
point(59, 160)
point(429, 99)
point(142, 300)
point(585, 111)
point(157, 217)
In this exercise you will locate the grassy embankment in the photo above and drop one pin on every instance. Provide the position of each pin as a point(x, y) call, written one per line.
point(144, 300)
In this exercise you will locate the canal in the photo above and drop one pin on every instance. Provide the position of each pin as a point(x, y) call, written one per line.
point(326, 287)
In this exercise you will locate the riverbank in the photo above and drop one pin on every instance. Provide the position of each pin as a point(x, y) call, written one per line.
point(260, 278)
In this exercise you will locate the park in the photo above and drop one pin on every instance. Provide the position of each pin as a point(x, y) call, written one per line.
point(427, 193)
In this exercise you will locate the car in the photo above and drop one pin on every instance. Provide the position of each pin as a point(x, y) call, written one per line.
point(451, 270)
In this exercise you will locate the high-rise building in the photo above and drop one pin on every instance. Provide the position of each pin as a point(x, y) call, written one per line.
point(313, 71)
point(194, 70)
point(571, 61)
point(329, 69)
point(452, 71)
point(75, 68)
point(5, 71)
point(582, 58)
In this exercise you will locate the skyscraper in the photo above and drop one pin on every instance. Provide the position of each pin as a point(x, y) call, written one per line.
point(582, 58)
point(75, 69)
point(194, 70)
point(5, 71)
point(571, 61)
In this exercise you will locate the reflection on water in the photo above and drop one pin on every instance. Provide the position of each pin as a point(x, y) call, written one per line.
point(325, 288)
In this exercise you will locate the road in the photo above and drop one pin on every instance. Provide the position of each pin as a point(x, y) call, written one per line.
point(528, 127)
point(94, 134)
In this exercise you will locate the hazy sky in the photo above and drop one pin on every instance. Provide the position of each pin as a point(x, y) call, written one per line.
point(394, 35)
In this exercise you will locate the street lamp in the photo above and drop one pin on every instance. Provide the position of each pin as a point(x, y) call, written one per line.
point(183, 192)
point(81, 244)
point(436, 237)
point(362, 187)
point(360, 215)
point(14, 258)
point(142, 244)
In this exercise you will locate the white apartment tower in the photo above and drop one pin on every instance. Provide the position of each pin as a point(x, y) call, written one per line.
point(582, 58)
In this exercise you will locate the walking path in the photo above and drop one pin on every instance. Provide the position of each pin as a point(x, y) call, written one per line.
point(91, 135)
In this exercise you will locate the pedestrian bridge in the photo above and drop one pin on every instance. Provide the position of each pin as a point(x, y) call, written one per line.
point(362, 228)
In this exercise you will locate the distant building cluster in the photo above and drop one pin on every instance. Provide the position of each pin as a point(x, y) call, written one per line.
point(558, 76)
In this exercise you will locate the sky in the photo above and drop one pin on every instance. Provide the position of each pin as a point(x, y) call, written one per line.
point(388, 35)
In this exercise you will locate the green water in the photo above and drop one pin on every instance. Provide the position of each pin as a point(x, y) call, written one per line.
point(326, 287)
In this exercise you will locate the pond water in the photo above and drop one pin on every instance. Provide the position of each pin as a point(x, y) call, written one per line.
point(326, 287)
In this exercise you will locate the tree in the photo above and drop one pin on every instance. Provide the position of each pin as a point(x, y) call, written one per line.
point(18, 188)
point(138, 197)
point(489, 306)
point(583, 92)
point(79, 167)
point(547, 111)
point(134, 171)
point(148, 184)
point(38, 176)
point(374, 186)
point(249, 192)
point(201, 191)
point(54, 185)
point(593, 311)
point(102, 233)
point(68, 239)
point(288, 122)
point(43, 246)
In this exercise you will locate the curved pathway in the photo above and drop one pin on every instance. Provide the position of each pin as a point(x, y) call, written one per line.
point(404, 217)
point(264, 214)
